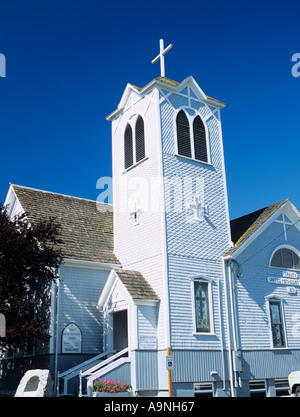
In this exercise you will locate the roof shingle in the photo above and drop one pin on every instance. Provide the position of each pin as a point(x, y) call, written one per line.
point(243, 227)
point(86, 232)
point(136, 285)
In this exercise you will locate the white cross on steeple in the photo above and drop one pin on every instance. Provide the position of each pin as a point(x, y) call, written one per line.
point(160, 56)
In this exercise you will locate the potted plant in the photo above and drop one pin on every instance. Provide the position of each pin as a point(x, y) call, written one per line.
point(104, 388)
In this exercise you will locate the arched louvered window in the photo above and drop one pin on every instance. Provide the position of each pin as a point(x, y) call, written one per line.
point(183, 135)
point(139, 139)
point(199, 140)
point(128, 147)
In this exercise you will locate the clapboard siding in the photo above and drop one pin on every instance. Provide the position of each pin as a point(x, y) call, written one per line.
point(181, 308)
point(264, 364)
point(146, 369)
point(252, 288)
point(197, 365)
point(121, 373)
point(78, 295)
point(147, 320)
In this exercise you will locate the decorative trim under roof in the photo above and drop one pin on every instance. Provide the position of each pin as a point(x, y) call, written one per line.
point(162, 82)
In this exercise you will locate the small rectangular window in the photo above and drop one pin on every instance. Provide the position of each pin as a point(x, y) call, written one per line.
point(203, 390)
point(276, 324)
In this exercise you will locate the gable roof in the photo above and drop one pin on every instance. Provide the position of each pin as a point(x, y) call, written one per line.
point(86, 232)
point(243, 227)
point(136, 285)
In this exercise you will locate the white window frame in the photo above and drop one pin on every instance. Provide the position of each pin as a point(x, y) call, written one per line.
point(206, 390)
point(132, 123)
point(210, 305)
point(190, 120)
point(259, 381)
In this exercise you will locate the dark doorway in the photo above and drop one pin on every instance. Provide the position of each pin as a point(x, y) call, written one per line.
point(120, 330)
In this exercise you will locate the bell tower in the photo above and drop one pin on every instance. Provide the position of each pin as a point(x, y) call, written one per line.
point(171, 220)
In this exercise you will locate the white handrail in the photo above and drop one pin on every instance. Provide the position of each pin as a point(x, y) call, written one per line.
point(69, 373)
point(110, 365)
point(103, 363)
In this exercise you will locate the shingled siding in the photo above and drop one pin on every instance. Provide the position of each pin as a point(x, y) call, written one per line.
point(195, 248)
point(140, 247)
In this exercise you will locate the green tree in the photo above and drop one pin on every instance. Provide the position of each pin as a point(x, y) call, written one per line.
point(29, 258)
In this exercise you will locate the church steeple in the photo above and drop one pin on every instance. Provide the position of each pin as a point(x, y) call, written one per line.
point(171, 219)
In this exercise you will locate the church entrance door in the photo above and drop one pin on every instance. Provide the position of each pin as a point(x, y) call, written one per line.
point(120, 330)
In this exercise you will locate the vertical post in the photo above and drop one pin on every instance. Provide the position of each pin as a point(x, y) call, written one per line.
point(170, 375)
point(162, 52)
point(80, 383)
point(57, 383)
point(162, 58)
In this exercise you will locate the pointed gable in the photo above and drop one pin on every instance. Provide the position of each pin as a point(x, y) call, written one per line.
point(244, 227)
point(188, 85)
point(135, 284)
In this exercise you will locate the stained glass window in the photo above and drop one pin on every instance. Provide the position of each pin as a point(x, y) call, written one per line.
point(202, 307)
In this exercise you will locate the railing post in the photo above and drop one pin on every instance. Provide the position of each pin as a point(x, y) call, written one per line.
point(65, 386)
point(89, 391)
point(80, 383)
point(57, 384)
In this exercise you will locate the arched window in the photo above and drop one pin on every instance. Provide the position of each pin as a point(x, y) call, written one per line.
point(285, 258)
point(128, 147)
point(139, 139)
point(199, 139)
point(191, 137)
point(183, 134)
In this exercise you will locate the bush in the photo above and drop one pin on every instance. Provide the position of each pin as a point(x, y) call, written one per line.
point(110, 386)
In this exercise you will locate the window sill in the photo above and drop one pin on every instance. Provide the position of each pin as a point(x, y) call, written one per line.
point(282, 268)
point(135, 165)
point(280, 348)
point(203, 334)
point(194, 160)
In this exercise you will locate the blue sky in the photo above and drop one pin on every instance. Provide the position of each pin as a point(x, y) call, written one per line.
point(68, 63)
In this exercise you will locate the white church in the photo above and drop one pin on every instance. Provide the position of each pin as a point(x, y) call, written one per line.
point(163, 273)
